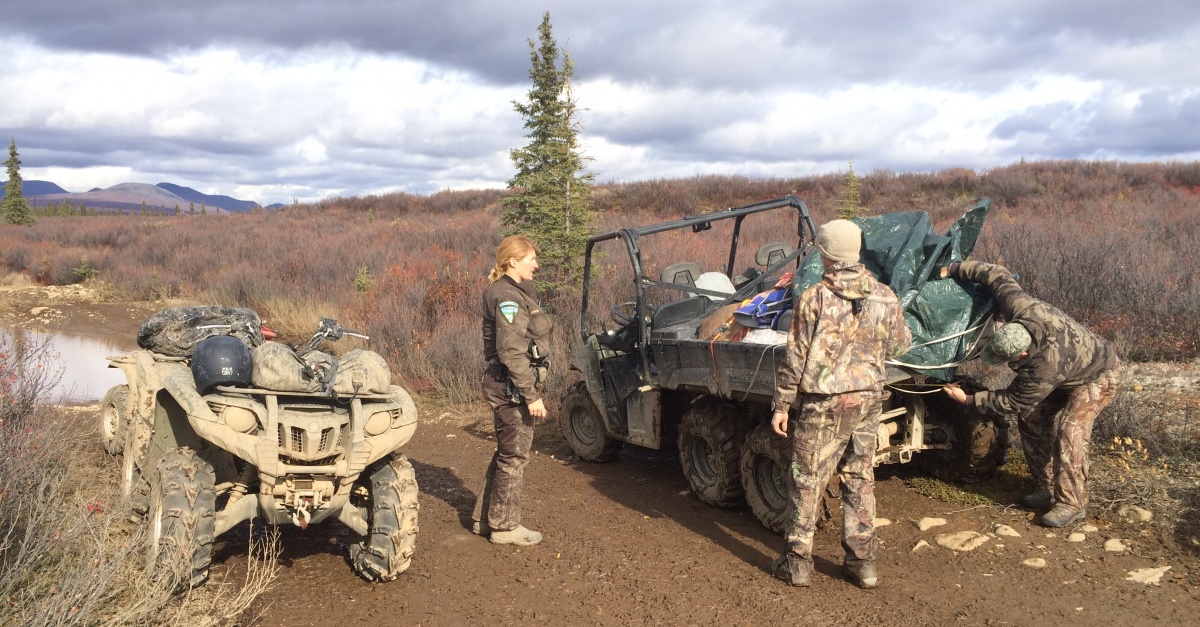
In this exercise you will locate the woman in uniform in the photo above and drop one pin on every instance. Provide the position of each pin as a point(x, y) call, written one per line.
point(515, 341)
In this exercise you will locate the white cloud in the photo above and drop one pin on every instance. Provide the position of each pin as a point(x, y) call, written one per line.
point(272, 101)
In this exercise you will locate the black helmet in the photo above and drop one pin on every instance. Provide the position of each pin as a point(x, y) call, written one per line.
point(220, 360)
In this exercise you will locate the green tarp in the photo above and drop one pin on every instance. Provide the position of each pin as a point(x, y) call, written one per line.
point(901, 250)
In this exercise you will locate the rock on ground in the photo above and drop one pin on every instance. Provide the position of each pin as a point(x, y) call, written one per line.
point(925, 524)
point(1114, 545)
point(1133, 513)
point(1035, 562)
point(1149, 576)
point(1005, 530)
point(961, 540)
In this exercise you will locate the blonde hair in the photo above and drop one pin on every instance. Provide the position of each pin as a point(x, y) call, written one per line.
point(510, 248)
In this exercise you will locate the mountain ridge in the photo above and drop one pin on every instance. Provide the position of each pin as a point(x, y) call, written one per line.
point(128, 197)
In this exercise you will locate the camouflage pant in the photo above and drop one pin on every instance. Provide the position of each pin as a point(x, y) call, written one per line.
point(1057, 434)
point(834, 432)
point(500, 497)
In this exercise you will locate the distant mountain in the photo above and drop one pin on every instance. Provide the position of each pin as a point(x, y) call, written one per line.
point(39, 188)
point(224, 202)
point(130, 197)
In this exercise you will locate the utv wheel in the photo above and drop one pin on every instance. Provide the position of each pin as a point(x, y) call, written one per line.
point(765, 468)
point(391, 505)
point(583, 429)
point(113, 419)
point(182, 518)
point(710, 450)
point(979, 445)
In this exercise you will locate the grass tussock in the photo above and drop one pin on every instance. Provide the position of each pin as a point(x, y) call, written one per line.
point(70, 552)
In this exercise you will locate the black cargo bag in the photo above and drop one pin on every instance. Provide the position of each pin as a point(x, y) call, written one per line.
point(176, 331)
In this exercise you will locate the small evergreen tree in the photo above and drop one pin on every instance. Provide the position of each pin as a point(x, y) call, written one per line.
point(850, 206)
point(16, 207)
point(192, 208)
point(551, 199)
point(363, 280)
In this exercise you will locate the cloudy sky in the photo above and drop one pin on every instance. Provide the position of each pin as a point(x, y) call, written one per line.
point(275, 100)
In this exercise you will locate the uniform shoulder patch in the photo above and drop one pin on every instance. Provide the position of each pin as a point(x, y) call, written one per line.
point(509, 310)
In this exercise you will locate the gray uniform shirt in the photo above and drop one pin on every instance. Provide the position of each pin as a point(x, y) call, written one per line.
point(513, 324)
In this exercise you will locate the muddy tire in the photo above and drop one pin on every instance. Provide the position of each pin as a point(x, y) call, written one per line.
point(980, 446)
point(710, 450)
point(583, 428)
point(182, 519)
point(113, 419)
point(765, 464)
point(391, 507)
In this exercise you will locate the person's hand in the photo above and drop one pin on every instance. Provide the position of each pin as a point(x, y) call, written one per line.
point(946, 271)
point(537, 409)
point(779, 423)
point(955, 393)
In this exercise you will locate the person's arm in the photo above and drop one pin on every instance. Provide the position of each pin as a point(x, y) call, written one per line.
point(1010, 297)
point(787, 378)
point(900, 339)
point(512, 346)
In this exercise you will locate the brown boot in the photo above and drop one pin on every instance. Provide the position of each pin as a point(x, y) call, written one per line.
point(1062, 515)
point(519, 536)
point(862, 574)
point(792, 570)
point(1040, 500)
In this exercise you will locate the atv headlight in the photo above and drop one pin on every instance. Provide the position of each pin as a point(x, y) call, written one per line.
point(239, 419)
point(378, 423)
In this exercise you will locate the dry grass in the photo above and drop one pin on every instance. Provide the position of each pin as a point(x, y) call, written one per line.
point(69, 552)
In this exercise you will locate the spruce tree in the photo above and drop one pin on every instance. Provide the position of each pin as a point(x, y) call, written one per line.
point(16, 208)
point(551, 199)
point(850, 206)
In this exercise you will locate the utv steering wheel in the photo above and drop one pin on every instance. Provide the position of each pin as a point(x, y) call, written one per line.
point(624, 313)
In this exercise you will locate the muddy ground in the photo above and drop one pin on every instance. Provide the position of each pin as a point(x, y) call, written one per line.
point(627, 543)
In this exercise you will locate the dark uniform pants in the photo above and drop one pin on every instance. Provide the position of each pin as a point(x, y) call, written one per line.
point(834, 432)
point(1057, 434)
point(499, 502)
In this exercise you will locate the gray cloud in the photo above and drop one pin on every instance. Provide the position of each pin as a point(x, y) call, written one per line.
point(756, 87)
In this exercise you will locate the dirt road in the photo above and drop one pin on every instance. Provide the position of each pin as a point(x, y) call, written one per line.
point(626, 543)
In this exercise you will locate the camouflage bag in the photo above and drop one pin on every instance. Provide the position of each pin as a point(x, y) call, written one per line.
point(279, 368)
point(176, 331)
point(362, 372)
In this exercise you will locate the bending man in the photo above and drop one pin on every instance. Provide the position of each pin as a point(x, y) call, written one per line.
point(1065, 375)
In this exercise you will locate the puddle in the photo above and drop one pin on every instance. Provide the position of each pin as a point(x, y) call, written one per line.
point(85, 372)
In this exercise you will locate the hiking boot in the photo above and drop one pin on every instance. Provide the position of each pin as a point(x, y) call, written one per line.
point(1040, 499)
point(795, 573)
point(863, 574)
point(480, 529)
point(519, 536)
point(1061, 516)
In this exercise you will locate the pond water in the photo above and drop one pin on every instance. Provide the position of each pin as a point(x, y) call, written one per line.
point(85, 375)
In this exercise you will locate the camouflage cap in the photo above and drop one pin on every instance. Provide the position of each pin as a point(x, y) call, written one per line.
point(1011, 340)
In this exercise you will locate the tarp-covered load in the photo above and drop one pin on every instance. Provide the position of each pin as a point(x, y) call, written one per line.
point(902, 251)
point(176, 331)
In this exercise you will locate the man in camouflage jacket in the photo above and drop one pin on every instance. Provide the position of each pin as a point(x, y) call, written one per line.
point(842, 331)
point(1065, 375)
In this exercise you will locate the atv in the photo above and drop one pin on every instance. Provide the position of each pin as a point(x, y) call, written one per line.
point(201, 457)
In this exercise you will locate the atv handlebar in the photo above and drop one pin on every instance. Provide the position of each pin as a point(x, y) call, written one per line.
point(330, 330)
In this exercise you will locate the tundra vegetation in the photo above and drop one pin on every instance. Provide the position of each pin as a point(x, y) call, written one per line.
point(1112, 244)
